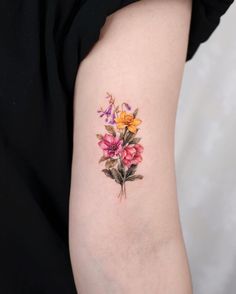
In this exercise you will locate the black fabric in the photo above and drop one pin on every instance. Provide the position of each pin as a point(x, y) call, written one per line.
point(206, 16)
point(42, 43)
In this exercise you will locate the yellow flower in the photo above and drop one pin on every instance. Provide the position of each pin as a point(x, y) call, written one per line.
point(127, 120)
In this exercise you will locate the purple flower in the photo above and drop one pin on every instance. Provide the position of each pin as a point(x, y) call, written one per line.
point(112, 120)
point(106, 112)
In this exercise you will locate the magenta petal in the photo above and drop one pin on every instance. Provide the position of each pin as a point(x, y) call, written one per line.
point(123, 154)
point(118, 151)
point(128, 157)
point(105, 153)
point(102, 144)
point(132, 150)
point(126, 162)
point(139, 147)
point(119, 148)
point(116, 140)
point(137, 160)
point(109, 138)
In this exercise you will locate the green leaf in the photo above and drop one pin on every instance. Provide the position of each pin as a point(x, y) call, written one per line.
point(108, 173)
point(128, 137)
point(131, 170)
point(110, 130)
point(135, 112)
point(135, 141)
point(103, 158)
point(117, 176)
point(99, 136)
point(111, 163)
point(121, 170)
point(135, 177)
point(121, 135)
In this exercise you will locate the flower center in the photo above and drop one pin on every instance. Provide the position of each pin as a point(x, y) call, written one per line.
point(129, 119)
point(113, 147)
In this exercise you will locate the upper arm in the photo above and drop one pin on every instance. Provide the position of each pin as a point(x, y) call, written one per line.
point(139, 59)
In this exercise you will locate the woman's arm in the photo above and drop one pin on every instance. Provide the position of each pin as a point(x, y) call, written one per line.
point(134, 244)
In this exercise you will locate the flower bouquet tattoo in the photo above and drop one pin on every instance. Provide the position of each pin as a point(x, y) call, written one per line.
point(120, 145)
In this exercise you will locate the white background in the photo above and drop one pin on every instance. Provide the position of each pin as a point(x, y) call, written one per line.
point(206, 160)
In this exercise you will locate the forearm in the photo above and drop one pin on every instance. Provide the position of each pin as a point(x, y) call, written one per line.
point(134, 245)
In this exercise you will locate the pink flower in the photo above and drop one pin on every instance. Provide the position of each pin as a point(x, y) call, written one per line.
point(111, 146)
point(131, 154)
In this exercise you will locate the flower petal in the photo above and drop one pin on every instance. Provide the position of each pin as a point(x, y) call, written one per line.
point(137, 160)
point(106, 153)
point(123, 114)
point(123, 155)
point(102, 144)
point(117, 120)
point(132, 128)
point(120, 125)
point(108, 138)
point(136, 122)
point(139, 148)
point(131, 150)
point(126, 163)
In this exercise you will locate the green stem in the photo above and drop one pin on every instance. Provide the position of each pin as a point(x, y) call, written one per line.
point(121, 192)
point(124, 136)
point(124, 189)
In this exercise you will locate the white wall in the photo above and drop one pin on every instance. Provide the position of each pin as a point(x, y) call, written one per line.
point(206, 160)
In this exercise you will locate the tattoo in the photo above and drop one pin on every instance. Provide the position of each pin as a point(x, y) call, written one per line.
point(121, 149)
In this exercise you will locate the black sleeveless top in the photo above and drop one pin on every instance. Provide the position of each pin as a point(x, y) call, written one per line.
point(42, 43)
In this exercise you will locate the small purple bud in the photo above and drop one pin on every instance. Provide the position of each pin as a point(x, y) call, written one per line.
point(127, 106)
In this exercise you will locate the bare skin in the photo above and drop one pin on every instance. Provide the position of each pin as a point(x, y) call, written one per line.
point(134, 245)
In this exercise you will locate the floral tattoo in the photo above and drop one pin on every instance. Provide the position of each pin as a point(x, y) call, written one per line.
point(121, 149)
